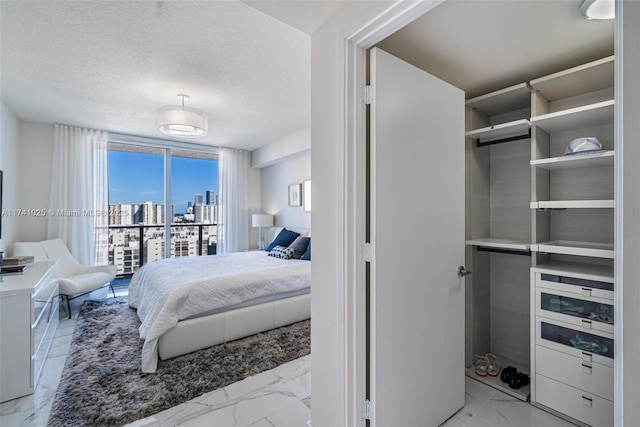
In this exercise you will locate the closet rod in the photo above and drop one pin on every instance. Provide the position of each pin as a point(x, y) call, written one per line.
point(501, 140)
point(504, 251)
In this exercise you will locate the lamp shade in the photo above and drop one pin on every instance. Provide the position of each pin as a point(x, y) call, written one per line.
point(262, 220)
point(176, 120)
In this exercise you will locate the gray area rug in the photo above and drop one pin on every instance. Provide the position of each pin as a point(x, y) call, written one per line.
point(102, 384)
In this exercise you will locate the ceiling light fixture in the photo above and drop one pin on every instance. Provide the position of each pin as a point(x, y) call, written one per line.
point(185, 122)
point(598, 9)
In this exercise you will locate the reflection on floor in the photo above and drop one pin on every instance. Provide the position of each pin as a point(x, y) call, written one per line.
point(280, 397)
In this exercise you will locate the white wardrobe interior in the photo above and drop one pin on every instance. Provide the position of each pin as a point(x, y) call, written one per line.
point(524, 208)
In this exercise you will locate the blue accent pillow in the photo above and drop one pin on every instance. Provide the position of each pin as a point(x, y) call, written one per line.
point(307, 253)
point(284, 238)
point(299, 246)
point(281, 252)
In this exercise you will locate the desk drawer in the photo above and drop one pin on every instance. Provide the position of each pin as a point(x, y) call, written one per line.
point(588, 376)
point(585, 407)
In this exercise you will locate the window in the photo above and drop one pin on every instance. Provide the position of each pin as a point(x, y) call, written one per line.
point(139, 215)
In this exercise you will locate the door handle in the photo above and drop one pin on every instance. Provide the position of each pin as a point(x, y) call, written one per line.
point(463, 272)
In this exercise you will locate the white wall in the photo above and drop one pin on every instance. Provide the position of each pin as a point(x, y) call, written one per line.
point(327, 166)
point(36, 152)
point(281, 163)
point(292, 146)
point(9, 152)
point(275, 198)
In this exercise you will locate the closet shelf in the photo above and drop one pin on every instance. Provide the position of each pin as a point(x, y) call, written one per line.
point(585, 116)
point(564, 247)
point(600, 158)
point(596, 75)
point(503, 100)
point(573, 204)
point(505, 130)
point(509, 244)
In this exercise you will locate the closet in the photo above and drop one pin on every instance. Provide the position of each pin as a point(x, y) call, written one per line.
point(540, 236)
point(539, 222)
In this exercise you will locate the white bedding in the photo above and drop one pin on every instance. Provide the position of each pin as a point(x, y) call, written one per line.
point(167, 291)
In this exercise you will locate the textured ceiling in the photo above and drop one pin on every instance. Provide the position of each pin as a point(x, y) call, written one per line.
point(111, 64)
point(484, 45)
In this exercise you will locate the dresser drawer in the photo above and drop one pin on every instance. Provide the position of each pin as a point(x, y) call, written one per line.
point(46, 311)
point(48, 334)
point(47, 287)
point(583, 311)
point(589, 345)
point(585, 407)
point(575, 286)
point(588, 376)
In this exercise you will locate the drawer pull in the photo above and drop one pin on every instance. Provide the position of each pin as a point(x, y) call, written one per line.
point(586, 323)
point(586, 368)
point(586, 292)
point(587, 401)
point(586, 356)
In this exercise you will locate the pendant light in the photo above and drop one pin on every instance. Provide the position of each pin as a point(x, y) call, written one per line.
point(181, 121)
point(598, 9)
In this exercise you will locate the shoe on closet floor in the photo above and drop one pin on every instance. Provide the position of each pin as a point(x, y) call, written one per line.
point(507, 373)
point(481, 364)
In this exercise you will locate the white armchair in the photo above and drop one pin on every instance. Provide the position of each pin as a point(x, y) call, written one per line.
point(75, 279)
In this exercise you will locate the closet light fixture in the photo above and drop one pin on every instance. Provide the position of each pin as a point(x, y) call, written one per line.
point(598, 9)
point(185, 122)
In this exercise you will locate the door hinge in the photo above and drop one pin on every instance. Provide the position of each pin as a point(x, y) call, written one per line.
point(369, 252)
point(367, 410)
point(369, 94)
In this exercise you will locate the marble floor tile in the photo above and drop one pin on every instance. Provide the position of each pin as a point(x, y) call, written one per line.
point(486, 406)
point(273, 396)
point(280, 397)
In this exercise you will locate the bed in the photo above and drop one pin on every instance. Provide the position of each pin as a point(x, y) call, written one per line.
point(186, 304)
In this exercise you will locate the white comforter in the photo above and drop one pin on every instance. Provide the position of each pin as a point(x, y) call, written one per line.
point(170, 290)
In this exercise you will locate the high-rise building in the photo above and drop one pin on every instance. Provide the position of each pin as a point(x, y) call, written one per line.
point(205, 214)
point(197, 199)
point(211, 197)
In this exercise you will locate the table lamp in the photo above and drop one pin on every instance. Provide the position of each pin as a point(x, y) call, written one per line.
point(261, 221)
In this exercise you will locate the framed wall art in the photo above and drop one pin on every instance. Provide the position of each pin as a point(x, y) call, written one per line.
point(295, 195)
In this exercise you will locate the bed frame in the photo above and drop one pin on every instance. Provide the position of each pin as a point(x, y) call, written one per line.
point(202, 332)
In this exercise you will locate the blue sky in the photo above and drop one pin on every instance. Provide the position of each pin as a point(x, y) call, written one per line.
point(138, 178)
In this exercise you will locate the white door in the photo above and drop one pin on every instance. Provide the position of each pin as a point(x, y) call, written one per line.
point(417, 230)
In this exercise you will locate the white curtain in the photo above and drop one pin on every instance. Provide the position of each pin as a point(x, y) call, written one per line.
point(78, 207)
point(233, 204)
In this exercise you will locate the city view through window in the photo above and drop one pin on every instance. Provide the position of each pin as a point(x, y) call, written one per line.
point(137, 206)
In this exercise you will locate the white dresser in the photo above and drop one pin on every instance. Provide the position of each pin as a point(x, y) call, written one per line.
point(28, 323)
point(573, 341)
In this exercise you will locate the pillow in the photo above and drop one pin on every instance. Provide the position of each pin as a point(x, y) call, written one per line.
point(307, 253)
point(299, 246)
point(284, 238)
point(281, 252)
